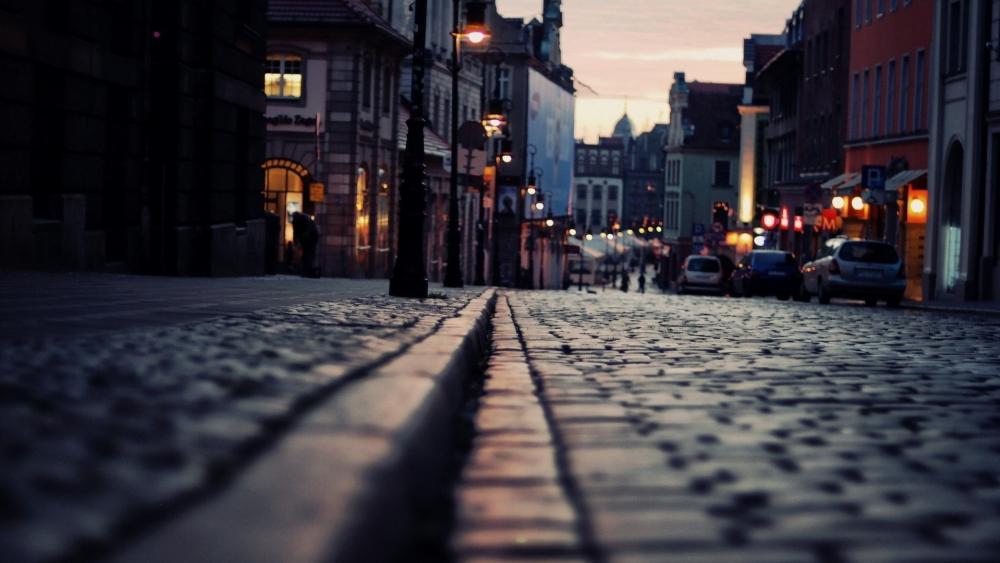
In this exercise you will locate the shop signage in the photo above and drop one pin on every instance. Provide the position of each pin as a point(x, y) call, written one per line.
point(293, 120)
point(316, 192)
point(830, 221)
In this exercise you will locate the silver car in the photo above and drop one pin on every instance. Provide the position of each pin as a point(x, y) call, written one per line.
point(701, 274)
point(855, 269)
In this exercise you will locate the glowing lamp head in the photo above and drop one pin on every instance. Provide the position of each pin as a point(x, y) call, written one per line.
point(759, 240)
point(532, 190)
point(550, 223)
point(917, 206)
point(539, 205)
point(589, 236)
point(659, 229)
point(506, 158)
point(630, 232)
point(572, 232)
point(642, 230)
point(838, 202)
point(857, 203)
point(611, 236)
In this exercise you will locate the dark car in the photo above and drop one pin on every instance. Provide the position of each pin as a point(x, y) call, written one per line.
point(767, 272)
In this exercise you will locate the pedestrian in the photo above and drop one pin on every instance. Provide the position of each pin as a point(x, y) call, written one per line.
point(642, 282)
point(306, 236)
point(625, 281)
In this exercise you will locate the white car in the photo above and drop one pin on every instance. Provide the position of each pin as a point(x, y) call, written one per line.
point(701, 274)
point(855, 269)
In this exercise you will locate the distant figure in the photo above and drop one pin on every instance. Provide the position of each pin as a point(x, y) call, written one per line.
point(625, 281)
point(306, 236)
point(642, 282)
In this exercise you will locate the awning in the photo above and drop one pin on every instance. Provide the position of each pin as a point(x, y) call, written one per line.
point(834, 182)
point(848, 186)
point(903, 179)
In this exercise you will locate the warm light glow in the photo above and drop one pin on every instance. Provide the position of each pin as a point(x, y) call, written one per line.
point(758, 231)
point(769, 220)
point(659, 229)
point(589, 236)
point(539, 206)
point(838, 202)
point(759, 240)
point(604, 235)
point(631, 232)
point(642, 231)
point(732, 238)
point(532, 190)
point(506, 158)
point(917, 207)
point(799, 224)
point(745, 239)
point(611, 236)
point(476, 37)
point(572, 232)
point(549, 222)
point(857, 203)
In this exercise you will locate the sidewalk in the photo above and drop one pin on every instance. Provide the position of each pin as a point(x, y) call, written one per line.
point(971, 307)
point(130, 403)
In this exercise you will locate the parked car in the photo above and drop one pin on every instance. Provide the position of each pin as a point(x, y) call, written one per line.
point(855, 269)
point(767, 272)
point(703, 274)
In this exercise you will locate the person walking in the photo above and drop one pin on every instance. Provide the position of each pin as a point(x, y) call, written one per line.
point(625, 281)
point(306, 236)
point(642, 282)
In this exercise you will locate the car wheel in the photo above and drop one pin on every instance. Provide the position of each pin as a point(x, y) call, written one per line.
point(871, 301)
point(824, 295)
point(893, 302)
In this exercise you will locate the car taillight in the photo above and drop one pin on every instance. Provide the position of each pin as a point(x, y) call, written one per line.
point(834, 267)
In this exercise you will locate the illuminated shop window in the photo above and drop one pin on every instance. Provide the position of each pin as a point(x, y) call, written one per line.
point(283, 76)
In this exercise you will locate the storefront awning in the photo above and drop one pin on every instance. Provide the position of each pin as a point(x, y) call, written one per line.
point(903, 179)
point(848, 186)
point(834, 182)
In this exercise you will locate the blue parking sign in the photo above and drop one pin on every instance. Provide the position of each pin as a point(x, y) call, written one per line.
point(873, 177)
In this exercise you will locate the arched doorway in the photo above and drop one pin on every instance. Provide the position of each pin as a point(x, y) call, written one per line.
point(951, 218)
point(284, 194)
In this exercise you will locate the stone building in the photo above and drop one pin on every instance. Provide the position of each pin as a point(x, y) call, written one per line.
point(702, 153)
point(133, 136)
point(598, 172)
point(963, 223)
point(332, 85)
point(645, 167)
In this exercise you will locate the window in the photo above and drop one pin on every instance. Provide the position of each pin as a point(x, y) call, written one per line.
point(283, 77)
point(366, 84)
point(855, 104)
point(918, 93)
point(581, 192)
point(504, 79)
point(858, 9)
point(893, 4)
point(904, 93)
point(881, 7)
point(868, 11)
point(596, 221)
point(672, 211)
point(890, 103)
point(387, 90)
point(956, 42)
point(877, 102)
point(721, 173)
point(581, 220)
point(612, 193)
point(597, 193)
point(864, 104)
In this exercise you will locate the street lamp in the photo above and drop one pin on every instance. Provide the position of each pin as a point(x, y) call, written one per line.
point(409, 275)
point(475, 32)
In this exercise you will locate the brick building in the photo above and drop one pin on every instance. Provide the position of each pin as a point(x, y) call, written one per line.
point(132, 136)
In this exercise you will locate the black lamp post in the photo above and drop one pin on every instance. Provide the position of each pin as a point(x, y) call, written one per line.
point(475, 32)
point(537, 204)
point(494, 122)
point(409, 275)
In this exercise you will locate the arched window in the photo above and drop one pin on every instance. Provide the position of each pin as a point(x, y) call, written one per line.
point(362, 222)
point(951, 218)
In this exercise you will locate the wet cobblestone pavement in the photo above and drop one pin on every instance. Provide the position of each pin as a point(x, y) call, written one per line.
point(100, 432)
point(704, 429)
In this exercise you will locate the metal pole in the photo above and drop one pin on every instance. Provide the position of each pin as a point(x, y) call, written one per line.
point(583, 242)
point(453, 274)
point(531, 247)
point(409, 276)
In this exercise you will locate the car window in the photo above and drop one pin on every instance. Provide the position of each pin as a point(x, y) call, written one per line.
point(773, 259)
point(870, 252)
point(703, 265)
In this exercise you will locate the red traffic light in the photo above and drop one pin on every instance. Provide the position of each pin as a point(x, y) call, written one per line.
point(769, 220)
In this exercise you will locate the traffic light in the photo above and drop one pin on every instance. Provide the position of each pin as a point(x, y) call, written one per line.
point(769, 219)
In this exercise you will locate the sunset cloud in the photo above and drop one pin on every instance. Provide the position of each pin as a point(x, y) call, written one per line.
point(722, 54)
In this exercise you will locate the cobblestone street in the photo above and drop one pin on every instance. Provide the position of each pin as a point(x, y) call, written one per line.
point(708, 429)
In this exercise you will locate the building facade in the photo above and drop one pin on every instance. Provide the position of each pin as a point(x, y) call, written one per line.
point(141, 155)
point(644, 177)
point(963, 238)
point(598, 171)
point(702, 155)
point(887, 126)
point(332, 85)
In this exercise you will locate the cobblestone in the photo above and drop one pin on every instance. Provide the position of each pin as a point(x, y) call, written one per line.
point(701, 429)
point(102, 431)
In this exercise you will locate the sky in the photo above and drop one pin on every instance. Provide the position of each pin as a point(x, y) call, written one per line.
point(631, 48)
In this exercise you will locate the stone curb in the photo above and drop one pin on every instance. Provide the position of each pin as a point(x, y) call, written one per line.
point(347, 481)
point(914, 306)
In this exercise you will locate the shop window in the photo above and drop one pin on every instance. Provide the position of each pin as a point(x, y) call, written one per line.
point(283, 76)
point(362, 220)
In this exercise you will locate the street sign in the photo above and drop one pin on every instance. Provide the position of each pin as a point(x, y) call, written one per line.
point(873, 177)
point(697, 229)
